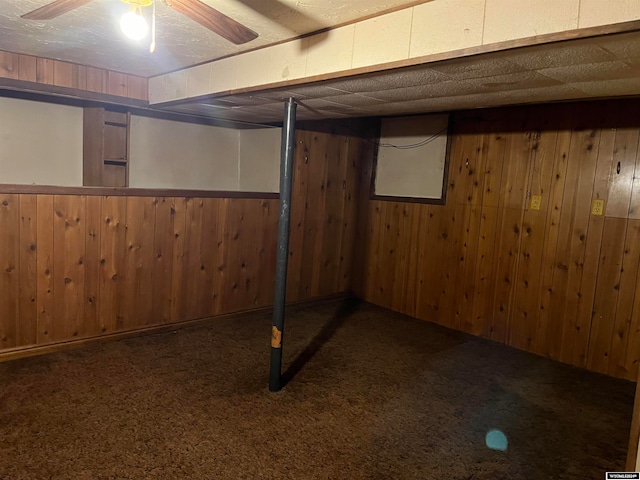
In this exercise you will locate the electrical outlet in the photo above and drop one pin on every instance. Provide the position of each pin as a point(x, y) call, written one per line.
point(536, 200)
point(598, 207)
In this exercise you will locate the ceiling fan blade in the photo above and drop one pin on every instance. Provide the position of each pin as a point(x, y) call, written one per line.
point(54, 9)
point(214, 20)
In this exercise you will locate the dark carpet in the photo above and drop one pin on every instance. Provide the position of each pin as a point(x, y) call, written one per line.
point(372, 394)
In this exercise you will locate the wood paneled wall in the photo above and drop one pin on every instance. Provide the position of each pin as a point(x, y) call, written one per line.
point(64, 74)
point(77, 266)
point(558, 281)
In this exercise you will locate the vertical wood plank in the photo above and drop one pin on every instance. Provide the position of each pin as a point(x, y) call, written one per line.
point(96, 80)
point(163, 260)
point(9, 269)
point(508, 236)
point(351, 192)
point(45, 71)
point(137, 87)
point(465, 285)
point(575, 346)
point(484, 284)
point(79, 76)
point(69, 270)
point(454, 255)
point(552, 221)
point(233, 284)
point(298, 212)
point(117, 84)
point(434, 234)
point(316, 203)
point(513, 193)
point(401, 269)
point(373, 263)
point(365, 148)
point(388, 251)
point(527, 295)
point(112, 248)
point(178, 279)
point(265, 273)
point(209, 257)
point(314, 213)
point(44, 251)
point(574, 220)
point(624, 321)
point(27, 67)
point(62, 74)
point(138, 263)
point(9, 65)
point(467, 160)
point(27, 323)
point(622, 174)
point(332, 223)
point(607, 293)
point(194, 267)
point(93, 224)
point(222, 244)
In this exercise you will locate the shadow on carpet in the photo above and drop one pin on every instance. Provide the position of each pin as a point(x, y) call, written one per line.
point(371, 394)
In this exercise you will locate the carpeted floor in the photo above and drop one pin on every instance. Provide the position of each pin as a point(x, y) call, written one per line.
point(373, 395)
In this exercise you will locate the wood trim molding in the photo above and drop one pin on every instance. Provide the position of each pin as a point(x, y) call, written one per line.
point(557, 37)
point(140, 111)
point(130, 192)
point(68, 92)
point(21, 352)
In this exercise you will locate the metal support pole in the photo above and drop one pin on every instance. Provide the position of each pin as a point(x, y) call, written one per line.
point(282, 259)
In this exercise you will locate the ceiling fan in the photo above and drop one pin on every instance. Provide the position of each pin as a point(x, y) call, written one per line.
point(197, 11)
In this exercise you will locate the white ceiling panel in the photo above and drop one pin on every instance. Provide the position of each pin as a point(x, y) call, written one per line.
point(90, 35)
point(569, 70)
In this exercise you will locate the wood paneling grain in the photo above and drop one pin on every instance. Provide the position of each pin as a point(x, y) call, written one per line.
point(45, 71)
point(68, 267)
point(70, 75)
point(93, 224)
point(162, 260)
point(484, 286)
point(27, 66)
point(45, 300)
point(607, 292)
point(112, 240)
point(27, 324)
point(9, 270)
point(624, 309)
point(9, 65)
point(178, 279)
point(77, 266)
point(138, 263)
point(315, 208)
point(557, 280)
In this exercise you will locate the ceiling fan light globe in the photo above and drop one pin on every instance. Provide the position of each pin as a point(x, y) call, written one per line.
point(134, 25)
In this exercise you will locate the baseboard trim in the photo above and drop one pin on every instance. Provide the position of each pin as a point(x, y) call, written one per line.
point(35, 350)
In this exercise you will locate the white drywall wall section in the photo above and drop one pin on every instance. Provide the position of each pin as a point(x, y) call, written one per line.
point(40, 143)
point(416, 172)
point(260, 160)
point(169, 154)
point(179, 155)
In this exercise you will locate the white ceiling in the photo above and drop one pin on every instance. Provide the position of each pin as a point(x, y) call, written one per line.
point(607, 66)
point(90, 35)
